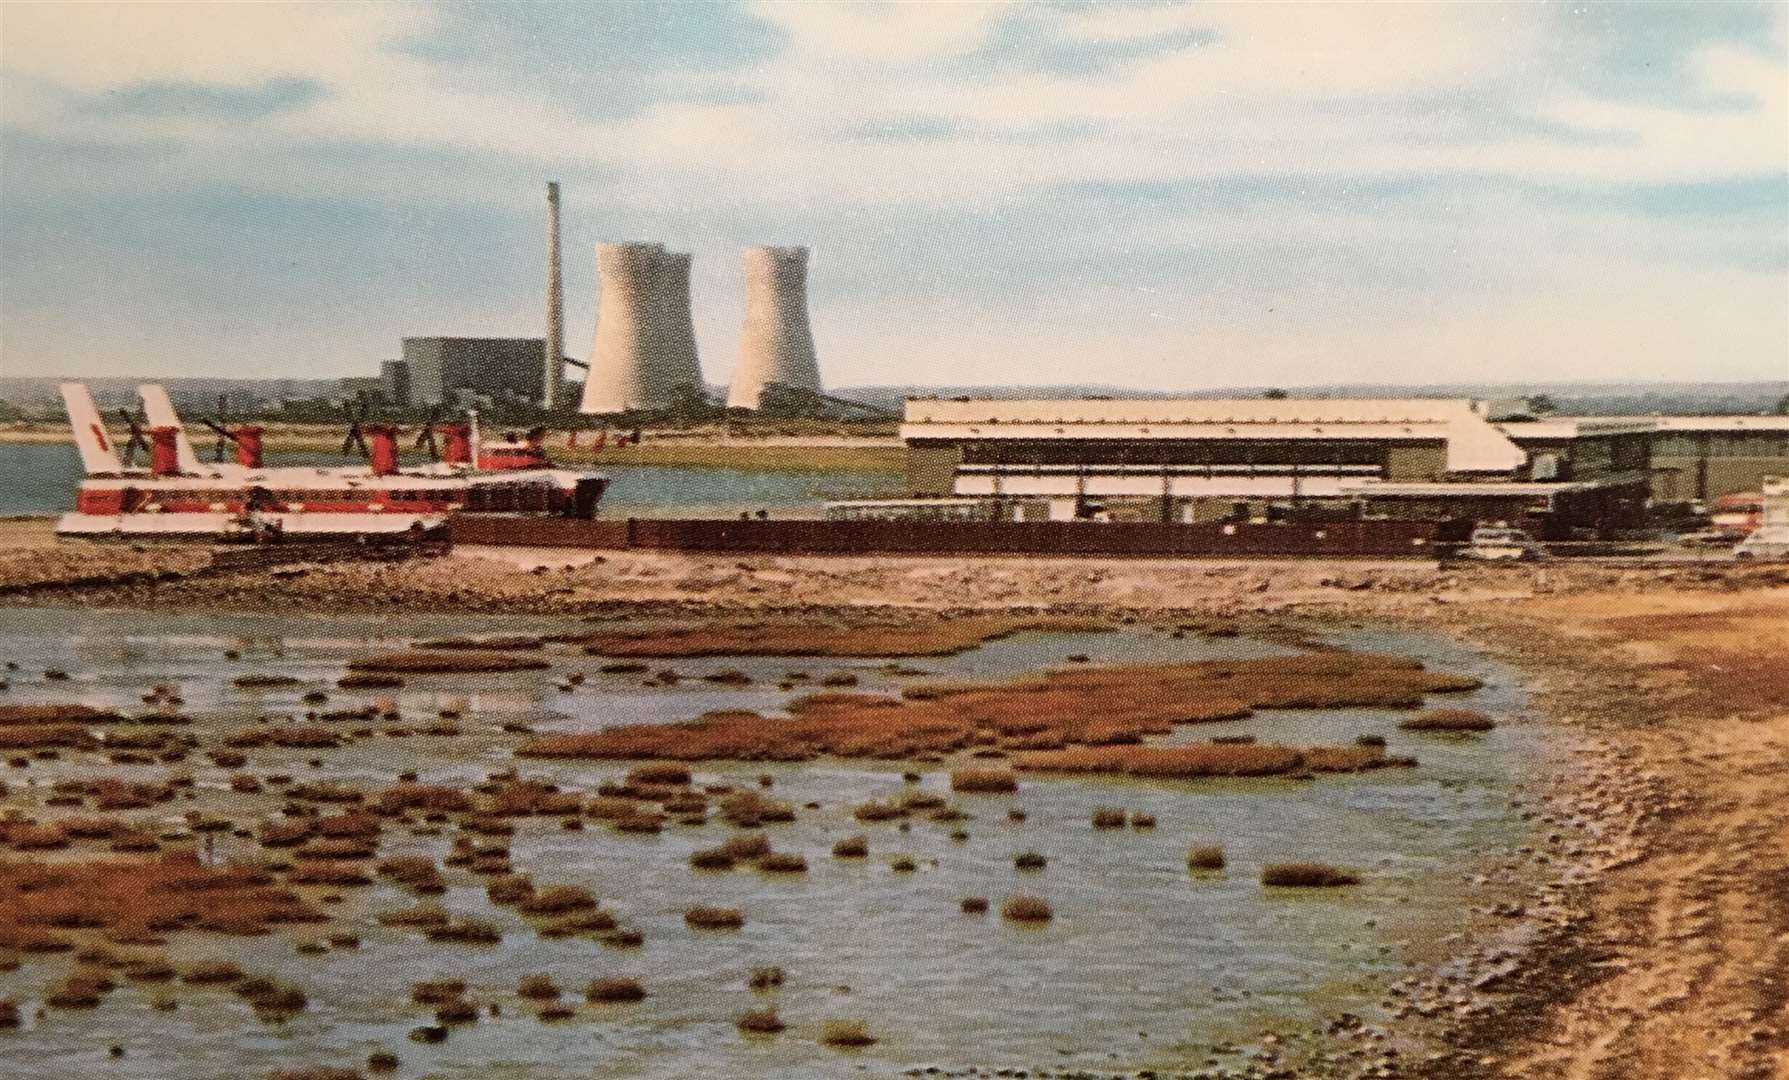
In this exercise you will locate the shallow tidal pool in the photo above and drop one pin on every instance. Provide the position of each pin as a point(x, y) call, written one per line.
point(1144, 965)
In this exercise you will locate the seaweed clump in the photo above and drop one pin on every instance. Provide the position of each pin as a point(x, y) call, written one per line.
point(1448, 720)
point(1307, 875)
point(1026, 909)
point(1088, 708)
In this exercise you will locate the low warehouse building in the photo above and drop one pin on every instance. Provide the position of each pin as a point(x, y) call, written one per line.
point(1702, 458)
point(1264, 460)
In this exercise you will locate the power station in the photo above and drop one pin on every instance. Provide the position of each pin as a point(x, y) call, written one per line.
point(777, 345)
point(676, 328)
point(628, 367)
point(644, 355)
point(644, 351)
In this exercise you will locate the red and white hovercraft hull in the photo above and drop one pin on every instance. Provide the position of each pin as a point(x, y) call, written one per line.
point(248, 528)
point(180, 498)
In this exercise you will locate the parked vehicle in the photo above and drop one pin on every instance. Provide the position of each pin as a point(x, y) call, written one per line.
point(1738, 514)
point(1770, 542)
point(1494, 543)
point(1707, 538)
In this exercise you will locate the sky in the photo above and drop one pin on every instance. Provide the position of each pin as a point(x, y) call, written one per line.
point(1147, 195)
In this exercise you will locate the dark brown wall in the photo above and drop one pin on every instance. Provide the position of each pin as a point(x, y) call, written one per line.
point(1376, 538)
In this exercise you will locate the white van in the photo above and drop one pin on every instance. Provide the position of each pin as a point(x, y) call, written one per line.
point(1492, 543)
point(1771, 539)
point(1769, 542)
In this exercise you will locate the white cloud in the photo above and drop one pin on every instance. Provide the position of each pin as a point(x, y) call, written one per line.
point(1128, 23)
point(1293, 89)
point(1315, 91)
point(97, 46)
point(1281, 89)
point(1642, 324)
point(60, 58)
point(1682, 143)
point(871, 34)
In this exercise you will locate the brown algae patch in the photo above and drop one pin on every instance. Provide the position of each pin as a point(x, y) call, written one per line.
point(446, 662)
point(1448, 720)
point(377, 842)
point(172, 893)
point(1305, 875)
point(1089, 706)
point(1203, 760)
point(932, 637)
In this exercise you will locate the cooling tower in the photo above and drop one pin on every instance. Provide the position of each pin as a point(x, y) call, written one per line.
point(554, 351)
point(675, 327)
point(626, 353)
point(777, 345)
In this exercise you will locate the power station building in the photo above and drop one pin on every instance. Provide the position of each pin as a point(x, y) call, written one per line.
point(1265, 460)
point(444, 369)
point(394, 383)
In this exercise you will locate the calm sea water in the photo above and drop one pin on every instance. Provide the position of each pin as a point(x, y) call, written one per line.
point(1143, 967)
point(40, 479)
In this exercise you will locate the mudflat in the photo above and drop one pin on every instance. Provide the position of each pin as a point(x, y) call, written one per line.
point(1672, 682)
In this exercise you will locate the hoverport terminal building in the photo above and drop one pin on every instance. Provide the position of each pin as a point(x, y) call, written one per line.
point(1241, 460)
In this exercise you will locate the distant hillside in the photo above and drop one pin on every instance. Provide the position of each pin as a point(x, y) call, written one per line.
point(33, 393)
point(1581, 399)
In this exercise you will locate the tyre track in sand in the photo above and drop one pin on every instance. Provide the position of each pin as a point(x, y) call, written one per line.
point(1692, 937)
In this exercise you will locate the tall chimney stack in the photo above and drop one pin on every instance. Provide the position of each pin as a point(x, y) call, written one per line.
point(777, 345)
point(555, 344)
